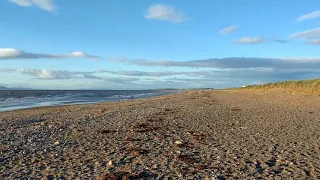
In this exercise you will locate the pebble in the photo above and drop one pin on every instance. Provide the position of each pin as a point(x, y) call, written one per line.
point(110, 163)
point(56, 143)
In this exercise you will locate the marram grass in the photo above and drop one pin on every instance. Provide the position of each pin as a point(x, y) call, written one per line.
point(296, 87)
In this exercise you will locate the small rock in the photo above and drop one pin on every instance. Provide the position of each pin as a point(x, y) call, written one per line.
point(135, 153)
point(155, 166)
point(178, 142)
point(56, 143)
point(109, 163)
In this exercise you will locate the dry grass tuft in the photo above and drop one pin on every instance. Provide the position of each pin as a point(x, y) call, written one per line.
point(296, 87)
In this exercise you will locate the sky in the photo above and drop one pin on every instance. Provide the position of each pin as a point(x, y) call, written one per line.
point(147, 44)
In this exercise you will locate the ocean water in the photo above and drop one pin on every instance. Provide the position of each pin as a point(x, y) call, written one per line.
point(21, 99)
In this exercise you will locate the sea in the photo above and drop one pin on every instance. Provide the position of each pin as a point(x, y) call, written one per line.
point(21, 99)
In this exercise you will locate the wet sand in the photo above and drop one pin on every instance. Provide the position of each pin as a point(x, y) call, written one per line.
point(205, 134)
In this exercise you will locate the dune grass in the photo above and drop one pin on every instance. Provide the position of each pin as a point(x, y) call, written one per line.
point(296, 87)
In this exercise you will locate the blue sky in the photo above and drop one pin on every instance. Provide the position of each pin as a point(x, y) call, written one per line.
point(122, 44)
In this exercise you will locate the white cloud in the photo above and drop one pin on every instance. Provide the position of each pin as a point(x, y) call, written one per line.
point(47, 74)
point(314, 42)
point(165, 13)
point(250, 40)
point(78, 54)
point(258, 40)
point(10, 53)
point(229, 30)
point(25, 3)
point(309, 34)
point(47, 5)
point(309, 16)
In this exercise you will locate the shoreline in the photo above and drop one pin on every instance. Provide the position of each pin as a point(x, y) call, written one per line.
point(195, 134)
point(74, 102)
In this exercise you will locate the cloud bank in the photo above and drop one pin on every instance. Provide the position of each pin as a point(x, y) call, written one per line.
point(217, 78)
point(47, 5)
point(233, 63)
point(45, 74)
point(10, 53)
point(165, 13)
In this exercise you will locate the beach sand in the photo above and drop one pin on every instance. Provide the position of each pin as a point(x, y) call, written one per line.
point(199, 134)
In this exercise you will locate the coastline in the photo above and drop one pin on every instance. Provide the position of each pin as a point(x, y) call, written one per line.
point(80, 101)
point(193, 134)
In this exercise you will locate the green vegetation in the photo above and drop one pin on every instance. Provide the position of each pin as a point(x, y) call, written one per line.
point(301, 86)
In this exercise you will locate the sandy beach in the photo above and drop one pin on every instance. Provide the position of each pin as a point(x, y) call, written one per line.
point(199, 134)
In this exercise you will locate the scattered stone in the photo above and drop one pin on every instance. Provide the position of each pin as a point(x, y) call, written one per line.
point(135, 153)
point(109, 163)
point(56, 143)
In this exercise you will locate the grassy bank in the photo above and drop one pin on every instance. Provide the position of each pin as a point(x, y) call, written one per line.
point(301, 86)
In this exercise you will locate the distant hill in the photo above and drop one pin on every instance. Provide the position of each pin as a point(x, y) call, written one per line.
point(3, 88)
point(301, 86)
